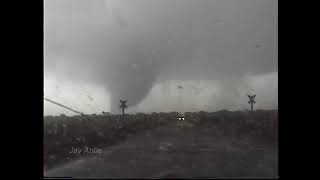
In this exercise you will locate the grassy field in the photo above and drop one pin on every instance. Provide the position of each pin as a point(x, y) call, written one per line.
point(61, 133)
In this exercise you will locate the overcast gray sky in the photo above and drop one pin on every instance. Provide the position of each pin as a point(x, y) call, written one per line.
point(100, 51)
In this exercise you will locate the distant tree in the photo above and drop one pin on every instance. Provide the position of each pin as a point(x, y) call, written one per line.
point(251, 101)
point(123, 106)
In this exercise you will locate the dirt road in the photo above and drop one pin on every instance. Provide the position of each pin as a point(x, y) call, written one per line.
point(180, 150)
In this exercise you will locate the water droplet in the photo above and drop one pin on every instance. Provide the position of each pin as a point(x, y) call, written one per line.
point(258, 45)
point(134, 66)
point(219, 21)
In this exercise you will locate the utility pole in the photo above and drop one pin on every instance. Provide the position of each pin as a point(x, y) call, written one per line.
point(251, 101)
point(123, 106)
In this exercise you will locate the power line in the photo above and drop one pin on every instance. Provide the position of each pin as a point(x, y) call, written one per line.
point(56, 103)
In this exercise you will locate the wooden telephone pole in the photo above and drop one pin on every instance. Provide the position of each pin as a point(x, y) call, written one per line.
point(123, 106)
point(251, 101)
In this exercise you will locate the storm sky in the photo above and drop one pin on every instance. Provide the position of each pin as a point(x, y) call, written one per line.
point(217, 51)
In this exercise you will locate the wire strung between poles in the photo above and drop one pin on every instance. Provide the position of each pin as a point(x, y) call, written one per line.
point(56, 103)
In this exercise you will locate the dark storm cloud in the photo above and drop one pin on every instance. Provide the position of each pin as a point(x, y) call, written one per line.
point(127, 45)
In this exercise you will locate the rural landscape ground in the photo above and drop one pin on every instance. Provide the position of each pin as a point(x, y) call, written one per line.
point(223, 144)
